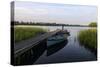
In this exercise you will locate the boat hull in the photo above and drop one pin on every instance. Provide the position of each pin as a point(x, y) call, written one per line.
point(56, 39)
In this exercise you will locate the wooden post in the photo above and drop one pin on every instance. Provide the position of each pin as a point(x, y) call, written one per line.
point(62, 27)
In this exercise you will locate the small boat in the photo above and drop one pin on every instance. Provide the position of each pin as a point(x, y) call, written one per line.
point(58, 38)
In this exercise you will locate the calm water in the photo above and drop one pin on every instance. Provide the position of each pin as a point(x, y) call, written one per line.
point(68, 51)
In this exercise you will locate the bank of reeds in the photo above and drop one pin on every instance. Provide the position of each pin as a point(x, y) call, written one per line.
point(22, 33)
point(88, 38)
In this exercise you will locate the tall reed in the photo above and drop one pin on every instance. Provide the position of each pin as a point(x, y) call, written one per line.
point(88, 38)
point(22, 33)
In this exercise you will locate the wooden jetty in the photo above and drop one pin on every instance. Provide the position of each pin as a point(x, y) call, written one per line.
point(25, 49)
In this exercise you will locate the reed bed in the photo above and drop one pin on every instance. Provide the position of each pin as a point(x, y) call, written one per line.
point(88, 38)
point(22, 33)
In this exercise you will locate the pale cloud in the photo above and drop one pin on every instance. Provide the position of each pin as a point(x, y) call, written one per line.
point(59, 13)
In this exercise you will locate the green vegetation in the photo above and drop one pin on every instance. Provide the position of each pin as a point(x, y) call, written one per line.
point(22, 33)
point(88, 38)
point(93, 24)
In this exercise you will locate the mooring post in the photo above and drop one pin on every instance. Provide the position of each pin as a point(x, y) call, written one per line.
point(62, 27)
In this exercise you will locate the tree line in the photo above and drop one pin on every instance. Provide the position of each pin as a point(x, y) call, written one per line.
point(49, 24)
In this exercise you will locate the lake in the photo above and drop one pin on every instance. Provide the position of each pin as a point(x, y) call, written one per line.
point(69, 51)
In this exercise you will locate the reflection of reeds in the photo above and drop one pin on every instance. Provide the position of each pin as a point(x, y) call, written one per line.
point(88, 38)
point(22, 33)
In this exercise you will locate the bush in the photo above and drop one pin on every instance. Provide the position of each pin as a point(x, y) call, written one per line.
point(93, 24)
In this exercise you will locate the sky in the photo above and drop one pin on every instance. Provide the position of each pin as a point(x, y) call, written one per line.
point(54, 13)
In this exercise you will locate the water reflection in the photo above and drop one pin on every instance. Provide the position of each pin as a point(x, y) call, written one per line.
point(72, 51)
point(94, 51)
point(38, 51)
point(56, 47)
point(41, 48)
point(32, 55)
point(68, 51)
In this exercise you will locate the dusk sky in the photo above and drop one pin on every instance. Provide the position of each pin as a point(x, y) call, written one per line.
point(55, 13)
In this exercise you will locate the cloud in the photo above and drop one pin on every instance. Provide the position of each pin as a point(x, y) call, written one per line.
point(55, 13)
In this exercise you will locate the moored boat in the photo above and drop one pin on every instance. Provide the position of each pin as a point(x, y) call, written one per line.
point(58, 38)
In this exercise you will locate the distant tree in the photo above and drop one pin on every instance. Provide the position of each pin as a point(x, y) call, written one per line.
point(93, 24)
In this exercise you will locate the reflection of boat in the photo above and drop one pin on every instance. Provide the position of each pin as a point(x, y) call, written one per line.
point(55, 48)
point(58, 38)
